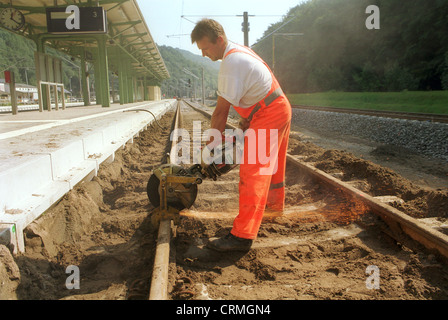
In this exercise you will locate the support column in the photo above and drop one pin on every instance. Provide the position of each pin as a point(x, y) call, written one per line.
point(122, 77)
point(103, 71)
point(145, 89)
point(141, 93)
point(84, 79)
point(12, 92)
point(127, 79)
point(40, 47)
point(97, 87)
point(130, 83)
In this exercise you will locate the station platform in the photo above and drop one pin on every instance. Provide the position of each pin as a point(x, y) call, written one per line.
point(43, 155)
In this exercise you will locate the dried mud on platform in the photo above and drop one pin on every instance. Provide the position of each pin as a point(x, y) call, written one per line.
point(319, 249)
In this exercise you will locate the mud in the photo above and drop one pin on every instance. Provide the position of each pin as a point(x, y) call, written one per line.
point(321, 248)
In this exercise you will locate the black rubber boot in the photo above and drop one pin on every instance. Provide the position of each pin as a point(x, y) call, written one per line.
point(229, 243)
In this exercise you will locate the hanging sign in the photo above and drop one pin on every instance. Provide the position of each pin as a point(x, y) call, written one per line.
point(76, 20)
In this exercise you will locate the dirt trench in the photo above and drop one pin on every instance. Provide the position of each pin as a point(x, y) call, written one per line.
point(316, 250)
point(100, 226)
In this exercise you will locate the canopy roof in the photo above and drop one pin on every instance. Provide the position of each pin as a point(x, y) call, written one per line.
point(128, 35)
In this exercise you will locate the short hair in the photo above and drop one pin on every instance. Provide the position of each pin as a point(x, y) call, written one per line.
point(207, 28)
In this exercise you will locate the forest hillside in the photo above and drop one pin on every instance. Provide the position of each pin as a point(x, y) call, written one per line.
point(336, 50)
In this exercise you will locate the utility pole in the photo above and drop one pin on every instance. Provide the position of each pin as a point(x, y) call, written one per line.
point(245, 28)
point(11, 81)
point(245, 25)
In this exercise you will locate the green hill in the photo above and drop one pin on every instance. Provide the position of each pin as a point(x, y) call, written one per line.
point(337, 51)
point(176, 61)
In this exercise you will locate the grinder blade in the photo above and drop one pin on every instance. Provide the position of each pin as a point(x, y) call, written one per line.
point(178, 195)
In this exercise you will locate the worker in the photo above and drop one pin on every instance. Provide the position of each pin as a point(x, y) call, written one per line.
point(246, 83)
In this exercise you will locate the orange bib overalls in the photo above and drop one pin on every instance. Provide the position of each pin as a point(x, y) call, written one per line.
point(256, 190)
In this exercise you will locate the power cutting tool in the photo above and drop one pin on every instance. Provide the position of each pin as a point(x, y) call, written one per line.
point(172, 188)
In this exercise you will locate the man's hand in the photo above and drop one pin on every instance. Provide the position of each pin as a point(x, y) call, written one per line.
point(244, 124)
point(219, 118)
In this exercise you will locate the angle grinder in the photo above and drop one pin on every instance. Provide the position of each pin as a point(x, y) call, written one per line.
point(180, 184)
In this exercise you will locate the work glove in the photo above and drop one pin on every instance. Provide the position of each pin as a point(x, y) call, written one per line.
point(211, 173)
point(207, 162)
point(244, 124)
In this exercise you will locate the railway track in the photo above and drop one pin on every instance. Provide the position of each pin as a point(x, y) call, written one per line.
point(352, 204)
point(331, 234)
point(385, 114)
point(159, 282)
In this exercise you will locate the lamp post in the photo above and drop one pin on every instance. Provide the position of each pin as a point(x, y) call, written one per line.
point(194, 86)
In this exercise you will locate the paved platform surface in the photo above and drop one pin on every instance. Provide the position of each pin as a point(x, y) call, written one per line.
point(43, 155)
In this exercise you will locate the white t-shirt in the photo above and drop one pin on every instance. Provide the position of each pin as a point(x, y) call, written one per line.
point(243, 79)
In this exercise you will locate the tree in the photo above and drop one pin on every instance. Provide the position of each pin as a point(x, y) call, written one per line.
point(338, 52)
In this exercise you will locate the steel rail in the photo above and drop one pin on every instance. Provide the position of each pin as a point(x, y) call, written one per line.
point(431, 117)
point(159, 280)
point(398, 221)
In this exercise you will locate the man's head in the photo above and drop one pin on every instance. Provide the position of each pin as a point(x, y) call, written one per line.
point(210, 38)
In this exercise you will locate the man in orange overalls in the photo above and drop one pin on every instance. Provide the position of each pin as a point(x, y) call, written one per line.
point(246, 83)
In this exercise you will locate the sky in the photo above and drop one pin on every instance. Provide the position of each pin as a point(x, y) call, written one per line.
point(167, 27)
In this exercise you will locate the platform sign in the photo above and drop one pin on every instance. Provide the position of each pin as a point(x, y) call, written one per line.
point(7, 76)
point(76, 20)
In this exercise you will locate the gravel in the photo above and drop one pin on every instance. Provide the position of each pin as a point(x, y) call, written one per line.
point(423, 137)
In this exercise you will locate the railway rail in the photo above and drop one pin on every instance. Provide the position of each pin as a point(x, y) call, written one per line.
point(398, 222)
point(159, 282)
point(431, 117)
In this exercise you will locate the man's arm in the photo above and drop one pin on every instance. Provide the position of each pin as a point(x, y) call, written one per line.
point(219, 117)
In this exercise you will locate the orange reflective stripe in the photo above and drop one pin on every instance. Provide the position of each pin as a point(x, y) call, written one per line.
point(249, 112)
point(277, 185)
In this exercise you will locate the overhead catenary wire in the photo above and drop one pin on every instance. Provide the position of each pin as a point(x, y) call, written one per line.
point(282, 26)
point(245, 28)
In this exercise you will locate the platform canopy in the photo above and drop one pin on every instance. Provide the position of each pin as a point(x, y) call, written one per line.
point(128, 39)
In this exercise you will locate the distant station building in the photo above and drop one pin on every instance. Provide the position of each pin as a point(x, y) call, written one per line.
point(25, 93)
